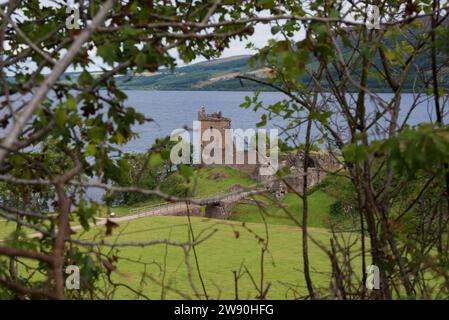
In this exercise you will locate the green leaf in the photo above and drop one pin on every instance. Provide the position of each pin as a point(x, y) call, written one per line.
point(155, 160)
point(275, 30)
point(108, 52)
point(61, 117)
point(91, 150)
point(185, 171)
point(140, 61)
point(71, 103)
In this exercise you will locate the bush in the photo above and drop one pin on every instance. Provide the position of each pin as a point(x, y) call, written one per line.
point(175, 185)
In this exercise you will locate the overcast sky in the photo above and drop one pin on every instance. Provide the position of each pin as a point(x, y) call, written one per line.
point(262, 33)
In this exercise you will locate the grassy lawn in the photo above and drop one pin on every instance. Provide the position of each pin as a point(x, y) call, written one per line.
point(234, 246)
point(6, 228)
point(211, 180)
point(319, 203)
point(218, 256)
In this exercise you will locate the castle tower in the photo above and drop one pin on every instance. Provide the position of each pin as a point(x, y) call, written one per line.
point(212, 121)
point(216, 121)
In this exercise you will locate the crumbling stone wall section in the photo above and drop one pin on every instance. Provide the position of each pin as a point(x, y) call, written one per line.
point(320, 163)
point(218, 210)
point(252, 169)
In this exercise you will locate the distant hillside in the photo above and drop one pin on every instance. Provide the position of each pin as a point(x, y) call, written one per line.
point(220, 75)
point(217, 74)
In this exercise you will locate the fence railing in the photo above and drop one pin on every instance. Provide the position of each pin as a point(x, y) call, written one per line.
point(169, 207)
point(154, 207)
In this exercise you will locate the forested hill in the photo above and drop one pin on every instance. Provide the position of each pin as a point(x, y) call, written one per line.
point(217, 74)
point(220, 74)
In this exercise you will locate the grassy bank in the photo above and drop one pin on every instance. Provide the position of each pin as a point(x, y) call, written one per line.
point(319, 203)
point(231, 248)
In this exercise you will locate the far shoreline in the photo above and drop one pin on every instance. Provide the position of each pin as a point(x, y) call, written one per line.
point(233, 90)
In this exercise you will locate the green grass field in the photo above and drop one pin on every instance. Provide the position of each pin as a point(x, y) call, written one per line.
point(218, 256)
point(6, 228)
point(211, 180)
point(319, 203)
point(225, 252)
point(234, 246)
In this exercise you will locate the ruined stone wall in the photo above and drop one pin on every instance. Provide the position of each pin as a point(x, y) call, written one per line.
point(194, 212)
point(295, 181)
point(320, 164)
point(219, 210)
point(246, 167)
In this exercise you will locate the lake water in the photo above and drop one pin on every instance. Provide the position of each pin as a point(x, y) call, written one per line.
point(177, 109)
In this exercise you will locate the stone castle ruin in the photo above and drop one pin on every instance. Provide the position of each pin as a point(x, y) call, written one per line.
point(320, 162)
point(216, 121)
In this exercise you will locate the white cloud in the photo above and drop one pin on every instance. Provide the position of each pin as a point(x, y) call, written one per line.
point(262, 33)
point(260, 37)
